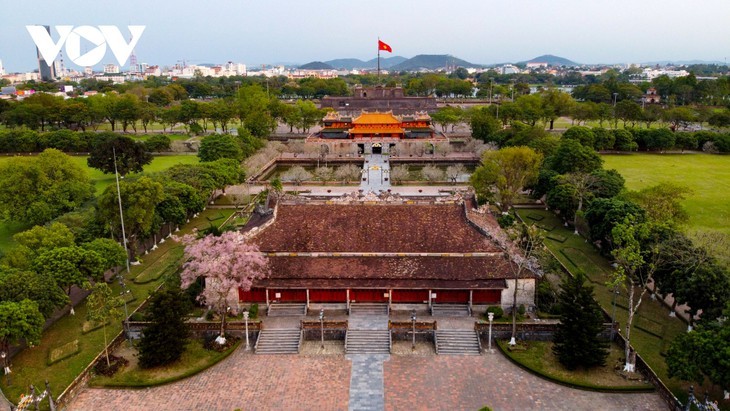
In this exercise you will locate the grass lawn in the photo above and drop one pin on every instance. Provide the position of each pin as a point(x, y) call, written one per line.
point(658, 328)
point(539, 358)
point(707, 175)
point(194, 360)
point(31, 365)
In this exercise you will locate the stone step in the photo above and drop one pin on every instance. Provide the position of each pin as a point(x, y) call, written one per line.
point(287, 309)
point(457, 342)
point(367, 342)
point(278, 341)
point(450, 310)
point(369, 309)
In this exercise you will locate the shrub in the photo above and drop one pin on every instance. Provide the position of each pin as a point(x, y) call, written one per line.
point(498, 312)
point(253, 312)
point(521, 310)
point(164, 340)
point(115, 364)
point(210, 343)
point(505, 220)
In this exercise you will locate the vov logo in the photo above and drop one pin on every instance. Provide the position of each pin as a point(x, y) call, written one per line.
point(100, 37)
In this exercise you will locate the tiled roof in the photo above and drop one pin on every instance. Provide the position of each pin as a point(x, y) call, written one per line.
point(398, 272)
point(372, 228)
point(376, 118)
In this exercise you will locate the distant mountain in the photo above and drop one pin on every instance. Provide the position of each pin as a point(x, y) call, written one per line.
point(552, 60)
point(316, 65)
point(431, 62)
point(349, 64)
point(386, 62)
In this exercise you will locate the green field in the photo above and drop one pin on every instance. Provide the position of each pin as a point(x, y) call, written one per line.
point(707, 175)
point(101, 181)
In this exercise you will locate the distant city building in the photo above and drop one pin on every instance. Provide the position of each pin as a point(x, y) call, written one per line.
point(111, 69)
point(46, 70)
point(536, 65)
point(380, 98)
point(509, 69)
point(651, 74)
point(2, 69)
point(88, 71)
point(325, 74)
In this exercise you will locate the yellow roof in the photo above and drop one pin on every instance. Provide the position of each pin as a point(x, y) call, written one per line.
point(376, 118)
point(375, 129)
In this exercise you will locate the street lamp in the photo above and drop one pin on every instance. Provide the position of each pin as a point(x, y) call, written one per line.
point(613, 315)
point(245, 318)
point(614, 99)
point(491, 80)
point(413, 321)
point(321, 327)
point(490, 315)
point(6, 368)
point(126, 313)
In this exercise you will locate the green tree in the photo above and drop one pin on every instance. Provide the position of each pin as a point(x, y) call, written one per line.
point(139, 199)
point(556, 104)
point(509, 169)
point(702, 353)
point(603, 214)
point(577, 341)
point(164, 339)
point(158, 143)
point(484, 126)
point(70, 266)
point(663, 202)
point(583, 135)
point(103, 307)
point(636, 259)
point(19, 285)
point(131, 156)
point(112, 253)
point(572, 157)
point(217, 146)
point(37, 189)
point(19, 321)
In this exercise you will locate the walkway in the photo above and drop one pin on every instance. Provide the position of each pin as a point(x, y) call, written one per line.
point(367, 390)
point(375, 173)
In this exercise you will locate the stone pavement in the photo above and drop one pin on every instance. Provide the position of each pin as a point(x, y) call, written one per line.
point(366, 382)
point(243, 380)
point(376, 173)
point(472, 382)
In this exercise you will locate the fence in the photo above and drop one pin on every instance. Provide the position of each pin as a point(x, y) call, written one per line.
point(403, 330)
point(332, 330)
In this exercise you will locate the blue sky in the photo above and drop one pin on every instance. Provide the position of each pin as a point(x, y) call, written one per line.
point(486, 31)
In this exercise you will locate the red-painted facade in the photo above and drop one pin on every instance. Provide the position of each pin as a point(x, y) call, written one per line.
point(255, 295)
point(327, 296)
point(450, 296)
point(369, 296)
point(288, 296)
point(486, 296)
point(410, 296)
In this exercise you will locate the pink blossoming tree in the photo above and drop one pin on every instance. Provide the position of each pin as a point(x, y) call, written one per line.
point(227, 263)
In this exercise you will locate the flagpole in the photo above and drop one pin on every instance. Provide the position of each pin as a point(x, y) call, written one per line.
point(378, 60)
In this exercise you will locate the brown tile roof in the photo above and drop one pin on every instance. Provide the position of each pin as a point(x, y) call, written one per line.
point(395, 272)
point(373, 228)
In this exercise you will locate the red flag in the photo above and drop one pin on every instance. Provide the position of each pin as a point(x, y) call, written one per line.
point(384, 47)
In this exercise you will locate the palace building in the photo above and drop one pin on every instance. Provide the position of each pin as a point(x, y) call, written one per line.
point(376, 125)
point(403, 253)
point(379, 98)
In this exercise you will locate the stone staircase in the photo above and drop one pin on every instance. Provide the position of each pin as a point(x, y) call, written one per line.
point(457, 342)
point(367, 342)
point(369, 309)
point(450, 310)
point(278, 341)
point(287, 309)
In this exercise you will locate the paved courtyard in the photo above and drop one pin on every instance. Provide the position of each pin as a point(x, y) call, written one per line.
point(311, 382)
